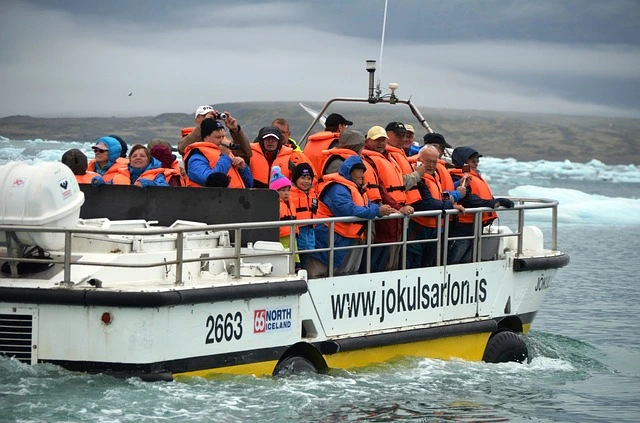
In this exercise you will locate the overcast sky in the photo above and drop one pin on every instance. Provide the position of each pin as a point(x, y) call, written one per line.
point(83, 57)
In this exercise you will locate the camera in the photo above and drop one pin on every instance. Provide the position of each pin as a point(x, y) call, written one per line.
point(220, 116)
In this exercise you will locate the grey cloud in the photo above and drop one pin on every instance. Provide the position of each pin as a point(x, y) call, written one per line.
point(79, 58)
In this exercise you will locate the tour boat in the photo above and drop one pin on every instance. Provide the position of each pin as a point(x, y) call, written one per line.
point(162, 283)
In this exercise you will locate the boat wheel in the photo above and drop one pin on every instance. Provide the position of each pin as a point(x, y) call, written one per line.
point(505, 346)
point(293, 365)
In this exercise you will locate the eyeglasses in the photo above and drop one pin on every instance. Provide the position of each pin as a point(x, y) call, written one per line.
point(430, 162)
point(99, 150)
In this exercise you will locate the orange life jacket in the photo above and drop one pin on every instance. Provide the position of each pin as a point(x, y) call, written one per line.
point(318, 142)
point(174, 172)
point(400, 157)
point(389, 174)
point(286, 213)
point(212, 153)
point(445, 177)
point(480, 188)
point(112, 171)
point(435, 189)
point(287, 159)
point(186, 131)
point(123, 177)
point(86, 178)
point(354, 230)
point(303, 202)
point(328, 155)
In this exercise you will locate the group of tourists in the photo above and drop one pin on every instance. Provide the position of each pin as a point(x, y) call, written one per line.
point(340, 172)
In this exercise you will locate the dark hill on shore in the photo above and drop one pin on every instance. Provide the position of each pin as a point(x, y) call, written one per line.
point(522, 136)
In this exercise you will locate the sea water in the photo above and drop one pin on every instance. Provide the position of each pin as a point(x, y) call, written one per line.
point(584, 342)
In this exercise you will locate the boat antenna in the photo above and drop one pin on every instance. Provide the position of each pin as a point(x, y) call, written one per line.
point(384, 26)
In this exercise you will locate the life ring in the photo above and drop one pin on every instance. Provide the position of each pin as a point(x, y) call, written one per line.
point(294, 364)
point(505, 346)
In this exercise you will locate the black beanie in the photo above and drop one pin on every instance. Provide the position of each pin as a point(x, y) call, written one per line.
point(76, 161)
point(300, 170)
point(123, 145)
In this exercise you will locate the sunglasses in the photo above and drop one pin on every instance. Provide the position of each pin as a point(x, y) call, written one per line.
point(99, 150)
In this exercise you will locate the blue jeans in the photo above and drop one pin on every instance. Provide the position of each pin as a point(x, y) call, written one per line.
point(460, 251)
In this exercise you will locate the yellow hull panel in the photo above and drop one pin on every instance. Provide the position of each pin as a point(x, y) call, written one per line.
point(467, 347)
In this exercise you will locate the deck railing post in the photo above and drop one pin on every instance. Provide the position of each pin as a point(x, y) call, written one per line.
point(292, 249)
point(554, 228)
point(67, 258)
point(238, 252)
point(179, 257)
point(368, 248)
point(445, 241)
point(520, 230)
point(331, 245)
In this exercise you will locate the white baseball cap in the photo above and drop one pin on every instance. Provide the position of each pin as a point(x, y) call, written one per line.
point(203, 110)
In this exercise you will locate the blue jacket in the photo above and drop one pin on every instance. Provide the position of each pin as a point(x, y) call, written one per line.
point(159, 180)
point(338, 198)
point(199, 169)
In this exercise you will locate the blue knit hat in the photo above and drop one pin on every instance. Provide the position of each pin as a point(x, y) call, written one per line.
point(278, 180)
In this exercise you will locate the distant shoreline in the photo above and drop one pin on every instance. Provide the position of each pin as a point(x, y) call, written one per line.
point(523, 136)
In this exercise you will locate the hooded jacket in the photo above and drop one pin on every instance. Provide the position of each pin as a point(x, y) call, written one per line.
point(341, 196)
point(108, 171)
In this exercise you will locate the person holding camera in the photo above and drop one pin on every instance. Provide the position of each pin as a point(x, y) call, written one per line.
point(239, 142)
point(205, 160)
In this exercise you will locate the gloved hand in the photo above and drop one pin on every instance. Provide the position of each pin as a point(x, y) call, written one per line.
point(97, 180)
point(504, 202)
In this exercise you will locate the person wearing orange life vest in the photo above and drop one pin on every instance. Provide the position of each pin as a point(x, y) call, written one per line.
point(77, 161)
point(205, 160)
point(142, 170)
point(268, 151)
point(350, 143)
point(334, 125)
point(107, 160)
point(304, 200)
point(343, 195)
point(425, 227)
point(478, 195)
point(410, 175)
point(169, 163)
point(437, 141)
point(240, 141)
point(409, 144)
point(388, 188)
point(282, 185)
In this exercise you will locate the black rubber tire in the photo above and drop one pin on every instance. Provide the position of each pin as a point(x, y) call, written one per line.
point(505, 346)
point(293, 365)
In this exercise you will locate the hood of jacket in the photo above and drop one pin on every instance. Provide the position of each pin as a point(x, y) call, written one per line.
point(347, 166)
point(114, 149)
point(460, 155)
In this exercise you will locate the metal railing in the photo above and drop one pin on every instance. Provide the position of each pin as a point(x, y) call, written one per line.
point(13, 246)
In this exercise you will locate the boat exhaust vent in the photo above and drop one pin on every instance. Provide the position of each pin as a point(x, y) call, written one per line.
point(16, 336)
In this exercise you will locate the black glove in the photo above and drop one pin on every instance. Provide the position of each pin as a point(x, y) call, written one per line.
point(217, 179)
point(505, 202)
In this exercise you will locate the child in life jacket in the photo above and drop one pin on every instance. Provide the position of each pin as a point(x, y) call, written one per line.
point(282, 184)
point(304, 201)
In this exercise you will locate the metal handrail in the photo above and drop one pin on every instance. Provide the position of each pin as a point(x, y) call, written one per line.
point(522, 204)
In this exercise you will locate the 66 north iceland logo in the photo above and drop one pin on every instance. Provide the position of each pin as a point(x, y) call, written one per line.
point(269, 320)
